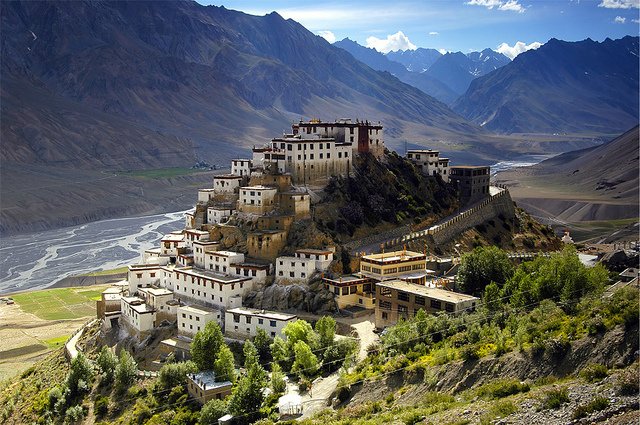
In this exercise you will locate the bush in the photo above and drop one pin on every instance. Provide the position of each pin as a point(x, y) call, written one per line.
point(470, 353)
point(627, 382)
point(101, 406)
point(212, 411)
point(557, 348)
point(502, 388)
point(594, 372)
point(413, 418)
point(74, 414)
point(595, 405)
point(555, 398)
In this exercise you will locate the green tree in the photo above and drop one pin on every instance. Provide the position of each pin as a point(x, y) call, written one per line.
point(205, 346)
point(107, 361)
point(212, 411)
point(491, 298)
point(326, 330)
point(224, 366)
point(305, 363)
point(174, 374)
point(80, 376)
point(247, 397)
point(263, 341)
point(280, 353)
point(482, 266)
point(278, 384)
point(341, 352)
point(300, 330)
point(126, 371)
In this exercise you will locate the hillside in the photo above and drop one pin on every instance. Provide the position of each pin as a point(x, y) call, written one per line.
point(599, 183)
point(578, 87)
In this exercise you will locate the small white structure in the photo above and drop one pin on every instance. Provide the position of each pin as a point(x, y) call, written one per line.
point(429, 162)
point(322, 257)
point(567, 238)
point(220, 261)
point(161, 300)
point(206, 195)
point(200, 249)
point(241, 167)
point(194, 318)
point(245, 322)
point(257, 199)
point(207, 288)
point(219, 214)
point(154, 256)
point(193, 235)
point(171, 243)
point(226, 183)
point(141, 275)
point(294, 269)
point(140, 317)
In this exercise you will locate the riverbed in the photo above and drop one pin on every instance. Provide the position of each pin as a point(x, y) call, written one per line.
point(38, 260)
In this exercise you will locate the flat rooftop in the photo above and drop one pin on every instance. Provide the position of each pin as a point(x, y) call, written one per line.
point(274, 315)
point(138, 305)
point(435, 293)
point(158, 292)
point(143, 266)
point(259, 187)
point(172, 237)
point(347, 279)
point(314, 251)
point(207, 380)
point(198, 309)
point(224, 253)
point(218, 277)
point(394, 256)
point(227, 177)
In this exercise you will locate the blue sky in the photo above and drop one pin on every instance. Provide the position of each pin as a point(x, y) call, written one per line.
point(454, 25)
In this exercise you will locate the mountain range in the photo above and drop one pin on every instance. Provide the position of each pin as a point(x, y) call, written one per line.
point(561, 87)
point(444, 77)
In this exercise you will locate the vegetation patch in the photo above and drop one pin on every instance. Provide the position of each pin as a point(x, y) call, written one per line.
point(555, 398)
point(595, 405)
point(59, 303)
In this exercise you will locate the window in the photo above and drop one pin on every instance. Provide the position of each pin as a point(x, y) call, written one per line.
point(385, 292)
point(403, 310)
point(449, 307)
point(385, 315)
point(336, 291)
point(353, 289)
point(197, 318)
point(260, 321)
point(272, 323)
point(184, 316)
point(152, 275)
point(436, 304)
point(403, 296)
point(273, 334)
point(366, 287)
point(139, 275)
point(236, 318)
point(292, 274)
point(385, 305)
point(419, 300)
point(345, 290)
point(328, 156)
point(248, 319)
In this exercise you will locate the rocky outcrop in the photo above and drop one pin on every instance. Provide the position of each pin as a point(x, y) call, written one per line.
point(619, 260)
point(312, 299)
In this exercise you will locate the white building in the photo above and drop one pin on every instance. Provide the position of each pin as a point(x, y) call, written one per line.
point(245, 322)
point(171, 243)
point(154, 256)
point(322, 257)
point(205, 195)
point(256, 272)
point(161, 300)
point(226, 183)
point(429, 162)
point(137, 315)
point(221, 261)
point(294, 269)
point(219, 214)
point(207, 288)
point(241, 167)
point(257, 199)
point(141, 275)
point(194, 318)
point(200, 249)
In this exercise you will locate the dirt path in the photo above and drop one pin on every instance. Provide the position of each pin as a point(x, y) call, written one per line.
point(364, 326)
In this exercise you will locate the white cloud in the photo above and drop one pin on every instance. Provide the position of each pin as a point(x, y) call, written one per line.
point(512, 51)
point(434, 33)
point(443, 51)
point(508, 5)
point(620, 20)
point(620, 4)
point(393, 42)
point(636, 21)
point(328, 35)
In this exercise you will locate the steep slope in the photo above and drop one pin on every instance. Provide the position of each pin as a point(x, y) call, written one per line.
point(417, 60)
point(482, 63)
point(376, 60)
point(215, 76)
point(599, 183)
point(578, 87)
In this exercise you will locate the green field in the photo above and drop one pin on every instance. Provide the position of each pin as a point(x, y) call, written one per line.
point(159, 173)
point(60, 303)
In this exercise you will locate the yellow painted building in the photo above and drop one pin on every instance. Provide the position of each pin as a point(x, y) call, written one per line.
point(352, 290)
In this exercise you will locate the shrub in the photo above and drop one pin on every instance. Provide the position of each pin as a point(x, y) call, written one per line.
point(595, 405)
point(74, 414)
point(101, 406)
point(627, 382)
point(212, 411)
point(594, 372)
point(502, 388)
point(470, 352)
point(557, 348)
point(413, 418)
point(555, 398)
